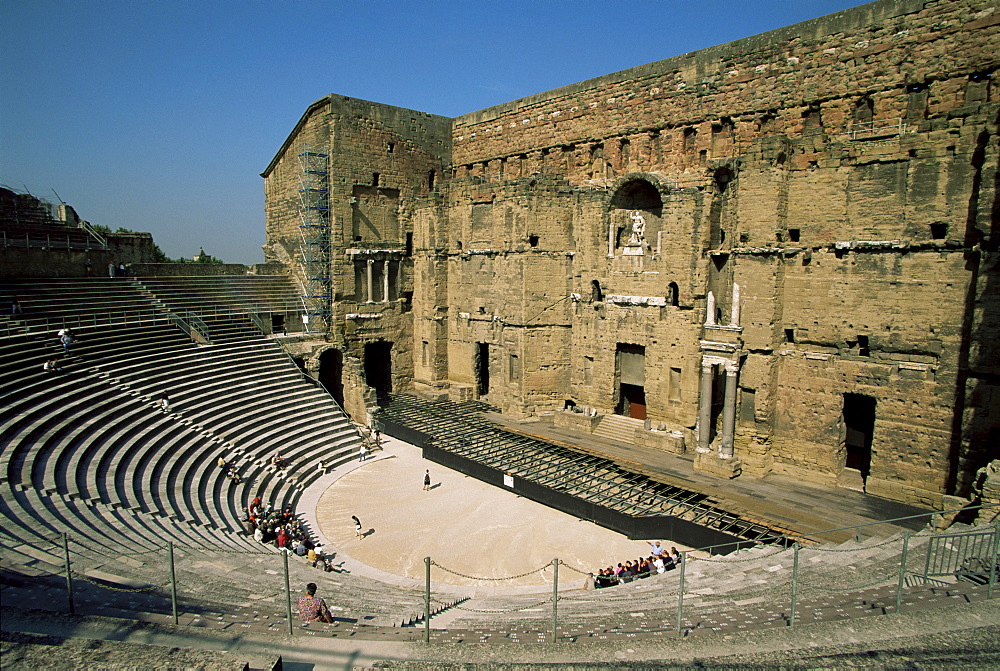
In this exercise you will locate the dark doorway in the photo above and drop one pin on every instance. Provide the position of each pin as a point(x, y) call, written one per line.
point(378, 369)
point(632, 401)
point(719, 379)
point(331, 372)
point(859, 422)
point(277, 322)
point(481, 366)
point(630, 368)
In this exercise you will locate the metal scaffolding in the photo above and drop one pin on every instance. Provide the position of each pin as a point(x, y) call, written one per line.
point(314, 231)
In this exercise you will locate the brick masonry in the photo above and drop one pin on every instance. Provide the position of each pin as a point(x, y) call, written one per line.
point(842, 172)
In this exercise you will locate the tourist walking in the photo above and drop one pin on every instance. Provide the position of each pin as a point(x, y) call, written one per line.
point(66, 338)
point(357, 526)
point(427, 481)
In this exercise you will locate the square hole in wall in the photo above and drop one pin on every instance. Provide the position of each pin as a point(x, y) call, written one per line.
point(939, 231)
point(793, 234)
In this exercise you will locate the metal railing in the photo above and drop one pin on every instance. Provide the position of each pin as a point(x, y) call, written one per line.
point(946, 555)
point(259, 323)
point(192, 326)
point(877, 128)
point(94, 234)
point(29, 325)
point(878, 576)
point(24, 326)
point(45, 241)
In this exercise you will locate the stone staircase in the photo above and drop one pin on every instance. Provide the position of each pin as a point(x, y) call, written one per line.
point(618, 427)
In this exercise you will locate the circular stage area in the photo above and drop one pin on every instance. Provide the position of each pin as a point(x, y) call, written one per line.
point(461, 523)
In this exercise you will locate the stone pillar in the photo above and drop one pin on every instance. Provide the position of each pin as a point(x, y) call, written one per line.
point(385, 281)
point(611, 239)
point(710, 310)
point(370, 295)
point(729, 413)
point(705, 408)
point(734, 314)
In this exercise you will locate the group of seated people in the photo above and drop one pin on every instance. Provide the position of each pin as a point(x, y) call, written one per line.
point(230, 468)
point(284, 531)
point(659, 561)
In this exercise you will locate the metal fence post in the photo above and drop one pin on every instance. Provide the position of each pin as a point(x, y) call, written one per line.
point(288, 592)
point(69, 577)
point(680, 591)
point(555, 599)
point(902, 571)
point(427, 600)
point(173, 581)
point(795, 583)
point(993, 560)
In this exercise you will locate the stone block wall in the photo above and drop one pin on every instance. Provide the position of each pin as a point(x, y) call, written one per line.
point(838, 176)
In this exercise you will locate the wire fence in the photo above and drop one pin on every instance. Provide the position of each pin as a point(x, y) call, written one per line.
point(799, 571)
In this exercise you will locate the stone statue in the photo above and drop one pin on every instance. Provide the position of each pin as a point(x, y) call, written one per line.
point(638, 229)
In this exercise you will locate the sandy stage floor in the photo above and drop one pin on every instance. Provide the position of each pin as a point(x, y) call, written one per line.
point(462, 524)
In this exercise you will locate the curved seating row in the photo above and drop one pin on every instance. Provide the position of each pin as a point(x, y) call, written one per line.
point(74, 302)
point(237, 293)
point(88, 451)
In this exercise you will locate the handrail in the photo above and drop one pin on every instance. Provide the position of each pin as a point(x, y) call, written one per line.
point(192, 326)
point(94, 234)
point(258, 322)
point(790, 539)
point(319, 385)
point(895, 519)
point(199, 326)
point(27, 326)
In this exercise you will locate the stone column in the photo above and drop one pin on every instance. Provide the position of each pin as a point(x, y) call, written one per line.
point(385, 281)
point(734, 314)
point(710, 310)
point(369, 295)
point(705, 408)
point(611, 239)
point(729, 413)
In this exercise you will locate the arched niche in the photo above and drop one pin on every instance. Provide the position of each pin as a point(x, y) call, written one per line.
point(635, 195)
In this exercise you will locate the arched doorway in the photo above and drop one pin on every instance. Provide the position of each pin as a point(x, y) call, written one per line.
point(331, 373)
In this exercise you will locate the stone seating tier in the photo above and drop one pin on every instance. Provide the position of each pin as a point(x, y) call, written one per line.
point(75, 302)
point(263, 293)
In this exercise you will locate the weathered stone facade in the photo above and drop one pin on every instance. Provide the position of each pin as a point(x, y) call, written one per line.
point(780, 251)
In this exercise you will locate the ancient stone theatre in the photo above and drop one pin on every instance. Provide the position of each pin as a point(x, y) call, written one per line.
point(777, 254)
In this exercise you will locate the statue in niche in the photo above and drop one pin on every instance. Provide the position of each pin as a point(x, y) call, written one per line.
point(638, 237)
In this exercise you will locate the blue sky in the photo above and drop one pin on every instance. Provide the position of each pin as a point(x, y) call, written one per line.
point(159, 115)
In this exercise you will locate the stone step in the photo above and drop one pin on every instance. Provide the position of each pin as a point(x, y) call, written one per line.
point(618, 427)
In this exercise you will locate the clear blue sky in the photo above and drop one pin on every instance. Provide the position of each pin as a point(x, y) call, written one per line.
point(159, 115)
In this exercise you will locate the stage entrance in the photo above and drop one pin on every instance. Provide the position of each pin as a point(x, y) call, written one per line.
point(630, 369)
point(378, 369)
point(859, 423)
point(481, 366)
